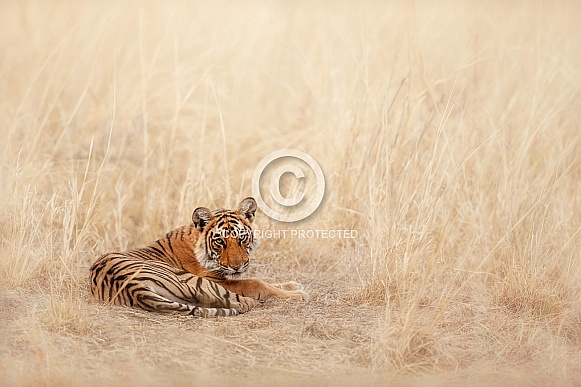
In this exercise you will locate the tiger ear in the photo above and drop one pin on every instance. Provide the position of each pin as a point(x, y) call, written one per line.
point(201, 217)
point(247, 208)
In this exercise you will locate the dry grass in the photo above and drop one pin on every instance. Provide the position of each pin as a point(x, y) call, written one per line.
point(450, 137)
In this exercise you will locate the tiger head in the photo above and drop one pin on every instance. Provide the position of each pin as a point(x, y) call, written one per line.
point(226, 239)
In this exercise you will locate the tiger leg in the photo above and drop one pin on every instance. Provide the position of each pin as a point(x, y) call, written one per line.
point(153, 302)
point(211, 294)
point(260, 290)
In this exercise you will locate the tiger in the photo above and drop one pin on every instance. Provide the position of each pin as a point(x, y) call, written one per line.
point(194, 270)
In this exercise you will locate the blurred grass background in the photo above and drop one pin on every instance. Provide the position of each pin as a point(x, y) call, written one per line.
point(449, 135)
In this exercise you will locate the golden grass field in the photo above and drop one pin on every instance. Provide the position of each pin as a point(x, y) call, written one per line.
point(449, 135)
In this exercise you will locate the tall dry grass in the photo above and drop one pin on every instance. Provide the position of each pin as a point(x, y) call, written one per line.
point(449, 135)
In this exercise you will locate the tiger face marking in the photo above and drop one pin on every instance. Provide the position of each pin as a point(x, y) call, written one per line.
point(226, 240)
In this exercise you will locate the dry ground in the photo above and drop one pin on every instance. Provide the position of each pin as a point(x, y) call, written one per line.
point(450, 137)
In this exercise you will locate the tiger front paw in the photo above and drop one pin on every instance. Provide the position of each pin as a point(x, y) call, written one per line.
point(297, 295)
point(290, 286)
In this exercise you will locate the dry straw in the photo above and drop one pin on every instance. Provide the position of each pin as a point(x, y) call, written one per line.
point(449, 135)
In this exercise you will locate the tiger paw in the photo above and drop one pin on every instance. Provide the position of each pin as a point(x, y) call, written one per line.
point(246, 303)
point(297, 295)
point(290, 286)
